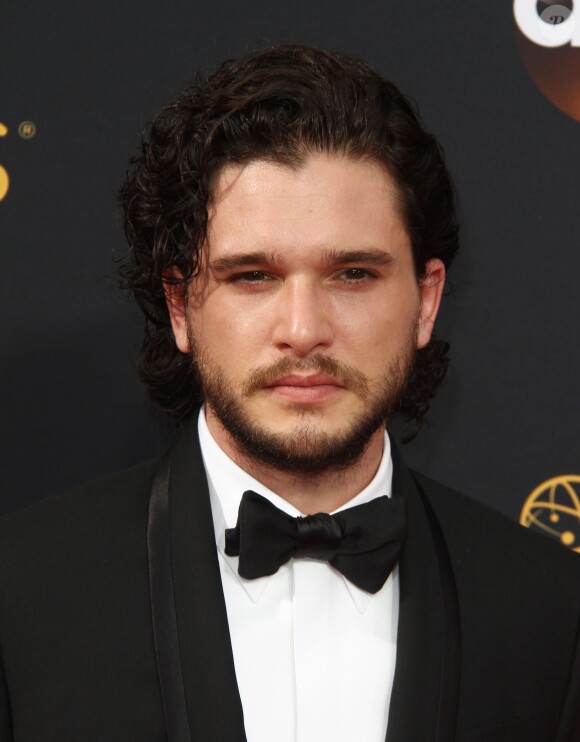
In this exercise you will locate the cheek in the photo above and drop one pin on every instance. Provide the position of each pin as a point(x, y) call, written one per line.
point(381, 325)
point(230, 336)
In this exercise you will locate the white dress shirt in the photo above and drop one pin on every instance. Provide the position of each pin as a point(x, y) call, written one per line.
point(314, 654)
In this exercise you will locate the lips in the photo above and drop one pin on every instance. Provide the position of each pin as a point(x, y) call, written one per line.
point(305, 390)
point(295, 380)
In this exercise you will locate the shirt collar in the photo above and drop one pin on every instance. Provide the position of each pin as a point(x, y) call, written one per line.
point(227, 482)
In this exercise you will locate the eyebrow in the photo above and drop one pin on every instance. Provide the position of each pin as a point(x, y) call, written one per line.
point(365, 256)
point(238, 260)
point(368, 256)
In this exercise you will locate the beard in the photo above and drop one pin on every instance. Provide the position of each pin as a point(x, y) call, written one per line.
point(303, 448)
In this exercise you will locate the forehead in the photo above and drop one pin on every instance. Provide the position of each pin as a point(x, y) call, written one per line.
point(328, 202)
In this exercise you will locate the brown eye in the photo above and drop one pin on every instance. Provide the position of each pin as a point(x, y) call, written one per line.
point(249, 277)
point(355, 275)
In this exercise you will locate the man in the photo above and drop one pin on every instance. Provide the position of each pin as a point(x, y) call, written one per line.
point(290, 225)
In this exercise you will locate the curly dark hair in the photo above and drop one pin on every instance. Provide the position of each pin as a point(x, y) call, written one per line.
point(279, 103)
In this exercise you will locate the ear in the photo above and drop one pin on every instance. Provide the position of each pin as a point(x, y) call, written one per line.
point(176, 298)
point(431, 291)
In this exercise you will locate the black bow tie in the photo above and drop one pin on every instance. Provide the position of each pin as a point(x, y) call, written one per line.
point(363, 542)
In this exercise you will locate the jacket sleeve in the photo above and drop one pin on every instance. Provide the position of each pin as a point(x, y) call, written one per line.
point(569, 728)
point(5, 714)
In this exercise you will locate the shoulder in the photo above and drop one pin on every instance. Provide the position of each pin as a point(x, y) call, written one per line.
point(480, 529)
point(111, 491)
point(489, 547)
point(74, 584)
point(92, 519)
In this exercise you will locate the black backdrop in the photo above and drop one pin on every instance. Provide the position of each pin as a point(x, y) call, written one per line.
point(88, 76)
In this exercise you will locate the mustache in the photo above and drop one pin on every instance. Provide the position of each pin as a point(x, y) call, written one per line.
point(347, 376)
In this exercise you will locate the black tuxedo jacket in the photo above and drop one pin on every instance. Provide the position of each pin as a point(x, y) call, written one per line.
point(113, 624)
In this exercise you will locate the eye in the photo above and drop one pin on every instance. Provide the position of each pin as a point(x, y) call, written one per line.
point(251, 277)
point(355, 275)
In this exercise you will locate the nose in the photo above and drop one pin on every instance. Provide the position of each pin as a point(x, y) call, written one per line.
point(302, 317)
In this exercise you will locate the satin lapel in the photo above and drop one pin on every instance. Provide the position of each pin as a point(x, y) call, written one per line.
point(420, 709)
point(213, 701)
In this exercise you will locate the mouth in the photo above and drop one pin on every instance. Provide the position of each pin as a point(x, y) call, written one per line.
point(306, 389)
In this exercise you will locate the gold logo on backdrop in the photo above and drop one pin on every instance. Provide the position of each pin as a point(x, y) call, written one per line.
point(27, 129)
point(554, 508)
point(4, 182)
point(4, 179)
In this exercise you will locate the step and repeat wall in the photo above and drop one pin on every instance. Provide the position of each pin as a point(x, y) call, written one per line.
point(497, 82)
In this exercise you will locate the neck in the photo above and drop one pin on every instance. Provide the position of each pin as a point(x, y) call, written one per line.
point(308, 493)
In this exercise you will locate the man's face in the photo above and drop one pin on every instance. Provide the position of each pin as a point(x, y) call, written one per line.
point(306, 313)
